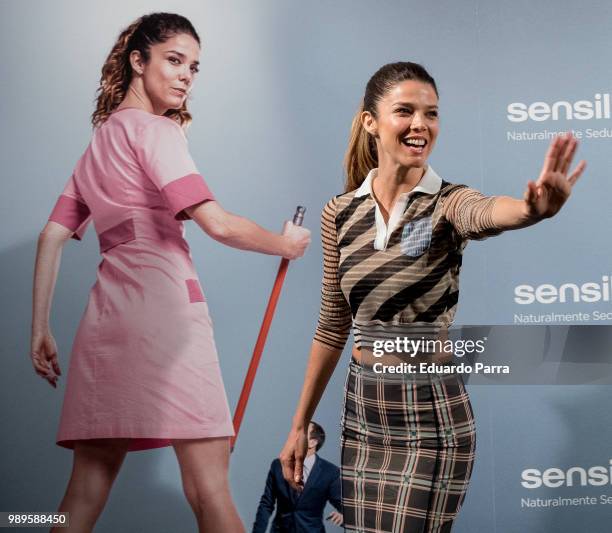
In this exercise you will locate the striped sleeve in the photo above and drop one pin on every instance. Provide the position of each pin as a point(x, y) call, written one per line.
point(335, 313)
point(470, 213)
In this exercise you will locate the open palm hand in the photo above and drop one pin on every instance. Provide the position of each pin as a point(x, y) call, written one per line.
point(545, 197)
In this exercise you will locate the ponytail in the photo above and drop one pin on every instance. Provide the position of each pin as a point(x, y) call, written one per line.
point(361, 155)
point(117, 70)
point(116, 77)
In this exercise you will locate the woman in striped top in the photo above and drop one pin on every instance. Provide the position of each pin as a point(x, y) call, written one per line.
point(392, 247)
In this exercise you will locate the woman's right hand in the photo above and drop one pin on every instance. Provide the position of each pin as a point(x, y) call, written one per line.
point(297, 240)
point(292, 457)
point(244, 234)
point(43, 352)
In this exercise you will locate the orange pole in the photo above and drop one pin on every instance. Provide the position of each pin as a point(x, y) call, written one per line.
point(263, 335)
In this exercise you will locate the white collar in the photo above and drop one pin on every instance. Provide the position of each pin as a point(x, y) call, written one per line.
point(430, 183)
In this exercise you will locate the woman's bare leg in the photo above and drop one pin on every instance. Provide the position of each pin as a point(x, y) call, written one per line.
point(204, 471)
point(95, 466)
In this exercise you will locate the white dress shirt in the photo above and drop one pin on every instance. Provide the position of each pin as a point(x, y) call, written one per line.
point(308, 464)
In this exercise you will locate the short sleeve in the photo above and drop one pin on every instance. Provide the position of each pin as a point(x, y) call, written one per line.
point(470, 213)
point(335, 317)
point(71, 210)
point(164, 156)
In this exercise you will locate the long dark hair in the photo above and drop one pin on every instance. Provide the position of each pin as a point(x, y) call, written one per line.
point(361, 155)
point(117, 71)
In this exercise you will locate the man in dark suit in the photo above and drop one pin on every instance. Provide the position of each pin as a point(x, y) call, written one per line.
point(301, 511)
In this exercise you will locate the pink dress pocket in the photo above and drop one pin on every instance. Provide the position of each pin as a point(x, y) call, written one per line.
point(194, 291)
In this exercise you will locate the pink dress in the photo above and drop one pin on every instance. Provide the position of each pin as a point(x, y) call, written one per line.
point(144, 364)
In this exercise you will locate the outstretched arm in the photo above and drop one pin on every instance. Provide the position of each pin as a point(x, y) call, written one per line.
point(544, 197)
point(239, 232)
point(476, 216)
point(43, 349)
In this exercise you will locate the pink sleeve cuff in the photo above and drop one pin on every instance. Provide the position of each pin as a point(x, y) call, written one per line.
point(80, 231)
point(70, 213)
point(185, 192)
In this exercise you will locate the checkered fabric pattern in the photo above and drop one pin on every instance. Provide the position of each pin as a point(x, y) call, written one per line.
point(416, 237)
point(408, 446)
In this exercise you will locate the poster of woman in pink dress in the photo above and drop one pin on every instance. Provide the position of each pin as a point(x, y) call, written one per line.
point(144, 371)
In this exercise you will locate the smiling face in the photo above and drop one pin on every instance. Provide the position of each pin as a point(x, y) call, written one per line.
point(168, 75)
point(406, 124)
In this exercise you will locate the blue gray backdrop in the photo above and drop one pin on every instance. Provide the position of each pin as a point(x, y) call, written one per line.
point(279, 84)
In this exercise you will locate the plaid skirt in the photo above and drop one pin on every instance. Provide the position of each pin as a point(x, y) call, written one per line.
point(408, 448)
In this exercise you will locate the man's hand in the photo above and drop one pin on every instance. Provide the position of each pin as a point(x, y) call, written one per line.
point(335, 518)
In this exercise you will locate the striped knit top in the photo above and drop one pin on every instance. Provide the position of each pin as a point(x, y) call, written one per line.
point(389, 279)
